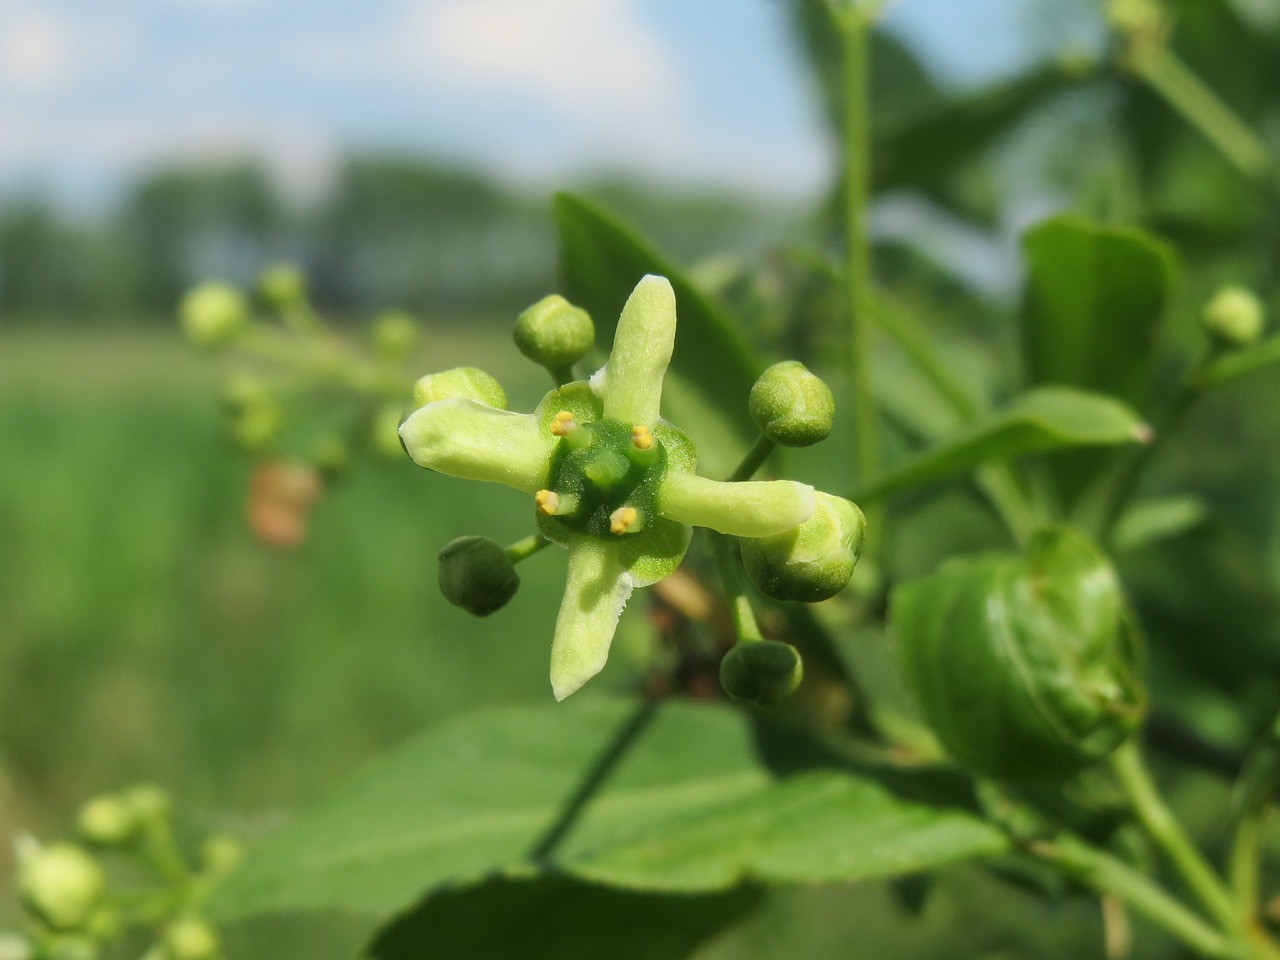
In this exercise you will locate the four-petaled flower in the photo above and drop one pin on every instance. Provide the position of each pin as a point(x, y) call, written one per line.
point(612, 481)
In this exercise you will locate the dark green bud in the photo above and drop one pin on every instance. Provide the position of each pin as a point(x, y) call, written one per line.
point(191, 938)
point(213, 315)
point(282, 287)
point(761, 672)
point(791, 406)
point(1025, 665)
point(1234, 317)
point(813, 561)
point(470, 383)
point(106, 821)
point(61, 884)
point(554, 333)
point(395, 335)
point(477, 575)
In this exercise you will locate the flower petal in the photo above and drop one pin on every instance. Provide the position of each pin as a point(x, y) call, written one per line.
point(596, 589)
point(755, 508)
point(631, 382)
point(462, 438)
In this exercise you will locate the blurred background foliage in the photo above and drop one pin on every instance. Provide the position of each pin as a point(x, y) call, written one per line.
point(145, 635)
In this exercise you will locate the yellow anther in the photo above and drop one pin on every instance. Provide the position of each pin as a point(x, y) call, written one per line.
point(548, 501)
point(641, 437)
point(622, 520)
point(562, 423)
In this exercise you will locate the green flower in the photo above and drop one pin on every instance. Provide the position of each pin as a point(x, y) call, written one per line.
point(611, 481)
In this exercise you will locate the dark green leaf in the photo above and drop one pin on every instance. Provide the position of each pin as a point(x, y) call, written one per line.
point(713, 368)
point(1048, 418)
point(475, 797)
point(1150, 521)
point(1094, 299)
point(1240, 363)
point(558, 918)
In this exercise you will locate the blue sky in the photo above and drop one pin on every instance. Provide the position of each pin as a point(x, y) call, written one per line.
point(702, 90)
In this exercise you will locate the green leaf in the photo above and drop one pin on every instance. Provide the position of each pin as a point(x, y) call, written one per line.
point(602, 259)
point(1240, 363)
point(1024, 664)
point(1094, 299)
point(476, 797)
point(1150, 521)
point(1048, 418)
point(558, 918)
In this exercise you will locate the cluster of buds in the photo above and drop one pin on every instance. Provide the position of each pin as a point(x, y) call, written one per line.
point(75, 914)
point(614, 483)
point(321, 401)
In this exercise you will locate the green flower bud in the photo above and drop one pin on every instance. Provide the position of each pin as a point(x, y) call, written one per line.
point(256, 427)
point(104, 924)
point(191, 938)
point(1134, 16)
point(70, 947)
point(148, 803)
point(813, 561)
point(213, 314)
point(554, 333)
point(1024, 665)
point(14, 947)
point(395, 335)
point(331, 456)
point(106, 821)
point(61, 884)
point(242, 392)
point(761, 672)
point(282, 287)
point(470, 383)
point(1234, 317)
point(384, 431)
point(477, 575)
point(791, 406)
point(220, 855)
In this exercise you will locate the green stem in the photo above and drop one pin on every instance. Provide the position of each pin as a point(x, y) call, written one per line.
point(999, 482)
point(1164, 829)
point(1205, 110)
point(853, 27)
point(744, 618)
point(1246, 863)
point(1105, 874)
point(561, 375)
point(523, 549)
point(906, 331)
point(754, 459)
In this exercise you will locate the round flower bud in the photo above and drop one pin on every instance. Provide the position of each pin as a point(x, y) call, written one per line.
point(813, 561)
point(761, 672)
point(395, 335)
point(61, 884)
point(1023, 664)
point(1134, 16)
point(148, 803)
point(477, 575)
point(331, 456)
point(221, 854)
point(471, 383)
point(791, 406)
point(1234, 317)
point(106, 821)
point(213, 314)
point(282, 286)
point(554, 333)
point(191, 938)
point(255, 427)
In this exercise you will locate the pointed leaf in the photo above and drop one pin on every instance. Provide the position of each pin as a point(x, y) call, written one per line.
point(1049, 418)
point(1241, 363)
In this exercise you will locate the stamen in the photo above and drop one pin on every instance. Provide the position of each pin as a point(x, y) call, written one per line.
point(563, 423)
point(622, 520)
point(641, 437)
point(548, 501)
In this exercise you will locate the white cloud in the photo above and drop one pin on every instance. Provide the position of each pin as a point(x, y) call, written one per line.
point(37, 51)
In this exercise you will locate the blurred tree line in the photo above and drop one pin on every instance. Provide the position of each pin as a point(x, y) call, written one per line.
point(394, 231)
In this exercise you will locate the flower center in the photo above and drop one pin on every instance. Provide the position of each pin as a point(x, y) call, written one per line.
point(604, 477)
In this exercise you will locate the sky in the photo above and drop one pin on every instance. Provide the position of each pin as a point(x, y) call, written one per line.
point(707, 91)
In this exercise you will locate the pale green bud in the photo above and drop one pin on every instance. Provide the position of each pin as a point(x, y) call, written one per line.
point(282, 287)
point(1235, 317)
point(148, 803)
point(1135, 16)
point(331, 456)
point(761, 672)
point(14, 947)
point(384, 431)
point(395, 335)
point(812, 561)
point(791, 406)
point(61, 884)
point(213, 314)
point(244, 391)
point(554, 333)
point(256, 427)
point(221, 854)
point(470, 383)
point(106, 821)
point(191, 938)
point(477, 575)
